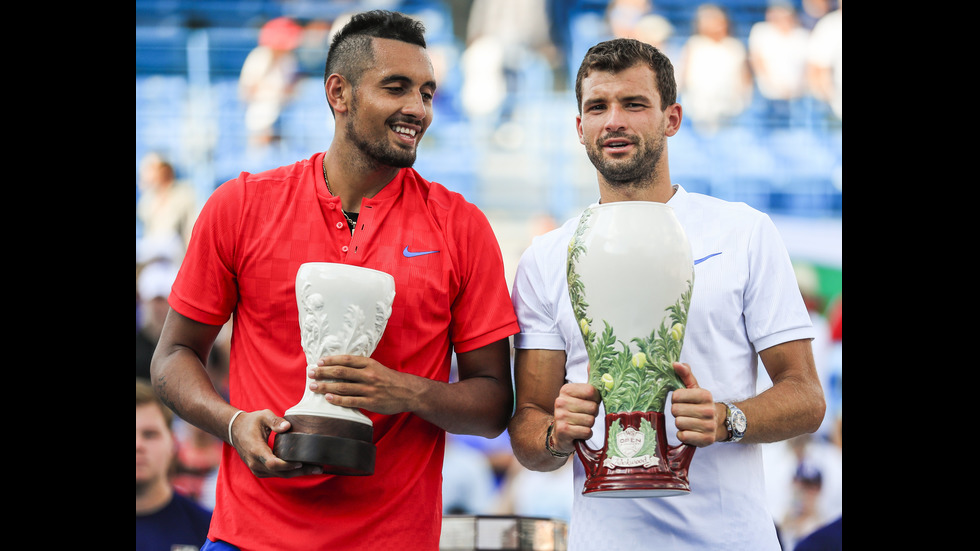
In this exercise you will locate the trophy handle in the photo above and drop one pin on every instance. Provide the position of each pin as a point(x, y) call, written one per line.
point(589, 457)
point(679, 457)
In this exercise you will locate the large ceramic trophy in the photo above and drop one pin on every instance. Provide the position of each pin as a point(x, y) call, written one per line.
point(342, 310)
point(630, 277)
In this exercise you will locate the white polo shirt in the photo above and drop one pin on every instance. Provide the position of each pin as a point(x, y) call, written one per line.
point(745, 299)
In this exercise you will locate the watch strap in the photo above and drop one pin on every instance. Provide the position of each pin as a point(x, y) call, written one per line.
point(731, 411)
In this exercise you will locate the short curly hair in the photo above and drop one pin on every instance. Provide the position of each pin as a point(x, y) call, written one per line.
point(622, 53)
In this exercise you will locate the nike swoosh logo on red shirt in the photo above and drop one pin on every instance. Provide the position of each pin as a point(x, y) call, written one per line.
point(409, 254)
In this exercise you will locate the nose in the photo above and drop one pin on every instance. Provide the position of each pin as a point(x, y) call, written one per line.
point(615, 119)
point(415, 105)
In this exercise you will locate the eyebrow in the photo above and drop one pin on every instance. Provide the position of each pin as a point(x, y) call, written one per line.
point(625, 99)
point(406, 80)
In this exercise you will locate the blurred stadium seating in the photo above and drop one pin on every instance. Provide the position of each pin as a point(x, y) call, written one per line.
point(189, 53)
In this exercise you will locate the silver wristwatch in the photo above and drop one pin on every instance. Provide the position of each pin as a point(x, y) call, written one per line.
point(735, 422)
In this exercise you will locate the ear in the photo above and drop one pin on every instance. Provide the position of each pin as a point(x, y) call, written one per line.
point(674, 115)
point(338, 91)
point(578, 128)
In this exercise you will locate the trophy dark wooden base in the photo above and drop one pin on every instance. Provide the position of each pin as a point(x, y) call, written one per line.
point(339, 446)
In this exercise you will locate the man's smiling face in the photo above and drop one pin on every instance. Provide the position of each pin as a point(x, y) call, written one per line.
point(391, 107)
point(622, 124)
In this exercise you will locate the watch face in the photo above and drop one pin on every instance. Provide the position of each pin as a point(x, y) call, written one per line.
point(738, 422)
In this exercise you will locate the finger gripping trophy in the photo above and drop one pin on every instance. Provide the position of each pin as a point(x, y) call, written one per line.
point(630, 278)
point(343, 309)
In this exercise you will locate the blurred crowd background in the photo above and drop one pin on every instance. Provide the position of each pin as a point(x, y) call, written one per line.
point(224, 86)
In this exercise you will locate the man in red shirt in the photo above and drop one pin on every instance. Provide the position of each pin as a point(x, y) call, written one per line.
point(359, 203)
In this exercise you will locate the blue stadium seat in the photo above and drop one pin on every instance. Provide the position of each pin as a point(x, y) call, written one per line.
point(161, 50)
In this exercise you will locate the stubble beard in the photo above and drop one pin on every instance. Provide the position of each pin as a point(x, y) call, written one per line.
point(636, 171)
point(379, 152)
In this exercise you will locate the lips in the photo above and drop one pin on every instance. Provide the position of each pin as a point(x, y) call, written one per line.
point(616, 143)
point(406, 132)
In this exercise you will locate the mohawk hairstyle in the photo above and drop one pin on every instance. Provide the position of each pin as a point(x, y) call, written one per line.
point(350, 51)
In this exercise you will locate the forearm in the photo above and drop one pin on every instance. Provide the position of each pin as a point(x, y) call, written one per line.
point(788, 409)
point(181, 381)
point(539, 376)
point(479, 405)
point(794, 405)
point(528, 430)
point(188, 391)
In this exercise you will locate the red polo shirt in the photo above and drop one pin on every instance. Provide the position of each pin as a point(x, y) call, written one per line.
point(450, 294)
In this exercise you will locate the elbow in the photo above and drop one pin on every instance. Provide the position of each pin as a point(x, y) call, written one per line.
point(500, 424)
point(492, 429)
point(494, 432)
point(156, 366)
point(817, 408)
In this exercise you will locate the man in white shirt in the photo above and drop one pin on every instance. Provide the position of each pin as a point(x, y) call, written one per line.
point(745, 305)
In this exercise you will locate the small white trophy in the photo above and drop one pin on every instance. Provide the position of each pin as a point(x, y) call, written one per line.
point(343, 309)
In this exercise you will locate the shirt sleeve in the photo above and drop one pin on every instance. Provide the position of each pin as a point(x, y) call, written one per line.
point(482, 312)
point(206, 289)
point(774, 308)
point(536, 314)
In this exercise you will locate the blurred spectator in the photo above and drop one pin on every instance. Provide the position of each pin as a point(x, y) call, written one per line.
point(198, 456)
point(636, 19)
point(825, 60)
point(267, 78)
point(468, 482)
point(827, 538)
point(311, 51)
point(623, 16)
point(537, 494)
point(165, 519)
point(654, 30)
point(812, 10)
point(804, 515)
point(166, 206)
point(153, 284)
point(503, 39)
point(714, 80)
point(777, 55)
point(797, 502)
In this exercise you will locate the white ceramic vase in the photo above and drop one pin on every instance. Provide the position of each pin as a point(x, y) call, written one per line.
point(630, 279)
point(342, 310)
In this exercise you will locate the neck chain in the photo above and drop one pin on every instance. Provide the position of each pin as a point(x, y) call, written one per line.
point(351, 223)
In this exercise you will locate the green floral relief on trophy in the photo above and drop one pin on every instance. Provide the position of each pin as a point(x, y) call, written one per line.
point(576, 289)
point(629, 381)
point(630, 447)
